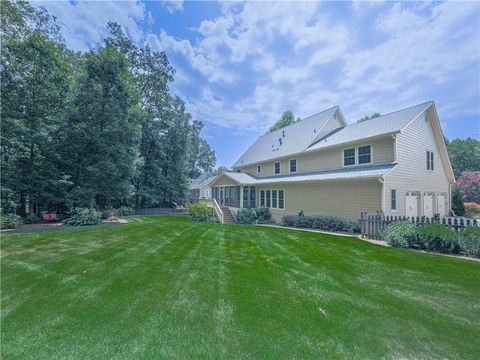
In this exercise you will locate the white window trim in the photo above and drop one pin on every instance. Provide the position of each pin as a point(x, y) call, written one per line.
point(278, 197)
point(357, 155)
point(430, 152)
point(279, 167)
point(296, 166)
point(396, 200)
point(371, 154)
point(343, 156)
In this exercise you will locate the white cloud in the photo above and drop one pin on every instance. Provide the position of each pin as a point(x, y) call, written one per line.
point(173, 5)
point(84, 23)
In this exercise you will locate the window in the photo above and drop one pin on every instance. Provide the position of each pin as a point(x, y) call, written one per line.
point(365, 154)
point(429, 160)
point(276, 168)
point(293, 165)
point(259, 168)
point(393, 199)
point(274, 199)
point(348, 157)
point(238, 171)
point(281, 199)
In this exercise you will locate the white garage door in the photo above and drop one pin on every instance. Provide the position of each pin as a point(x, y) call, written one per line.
point(441, 205)
point(428, 205)
point(411, 207)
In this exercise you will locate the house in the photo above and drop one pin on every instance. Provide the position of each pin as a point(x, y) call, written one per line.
point(200, 188)
point(396, 163)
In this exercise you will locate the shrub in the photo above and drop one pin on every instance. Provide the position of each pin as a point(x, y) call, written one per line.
point(400, 234)
point(457, 202)
point(253, 216)
point(82, 217)
point(264, 216)
point(32, 219)
point(10, 221)
point(469, 240)
point(107, 214)
point(290, 220)
point(200, 212)
point(472, 209)
point(321, 222)
point(469, 187)
point(124, 211)
point(437, 237)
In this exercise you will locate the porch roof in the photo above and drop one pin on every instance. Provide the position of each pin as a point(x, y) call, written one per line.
point(364, 172)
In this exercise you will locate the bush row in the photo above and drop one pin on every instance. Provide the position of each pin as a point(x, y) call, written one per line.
point(434, 237)
point(200, 212)
point(253, 216)
point(321, 222)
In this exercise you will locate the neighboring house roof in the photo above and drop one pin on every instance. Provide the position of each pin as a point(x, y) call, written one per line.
point(373, 171)
point(201, 181)
point(294, 138)
point(297, 138)
point(385, 124)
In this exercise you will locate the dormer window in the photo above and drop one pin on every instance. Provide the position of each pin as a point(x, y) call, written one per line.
point(349, 157)
point(276, 168)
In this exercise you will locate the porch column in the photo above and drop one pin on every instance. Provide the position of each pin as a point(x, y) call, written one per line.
point(241, 196)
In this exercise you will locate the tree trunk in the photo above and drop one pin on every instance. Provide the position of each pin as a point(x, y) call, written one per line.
point(92, 204)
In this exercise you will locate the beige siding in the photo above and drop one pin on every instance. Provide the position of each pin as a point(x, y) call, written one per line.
point(411, 173)
point(382, 153)
point(225, 181)
point(344, 198)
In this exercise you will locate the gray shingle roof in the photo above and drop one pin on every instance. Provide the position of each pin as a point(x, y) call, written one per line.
point(357, 172)
point(385, 124)
point(298, 137)
point(201, 181)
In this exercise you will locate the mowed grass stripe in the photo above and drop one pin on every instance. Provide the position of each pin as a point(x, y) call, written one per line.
point(166, 287)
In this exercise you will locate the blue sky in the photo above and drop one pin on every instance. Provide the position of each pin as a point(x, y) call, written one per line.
point(240, 65)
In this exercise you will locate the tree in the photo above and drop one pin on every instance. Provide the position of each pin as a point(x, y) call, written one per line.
point(366, 118)
point(458, 207)
point(201, 158)
point(34, 89)
point(287, 119)
point(219, 170)
point(464, 155)
point(103, 130)
point(469, 187)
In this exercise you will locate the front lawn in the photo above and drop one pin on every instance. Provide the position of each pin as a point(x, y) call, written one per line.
point(166, 287)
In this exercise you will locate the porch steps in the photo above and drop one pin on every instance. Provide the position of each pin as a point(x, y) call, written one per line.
point(227, 215)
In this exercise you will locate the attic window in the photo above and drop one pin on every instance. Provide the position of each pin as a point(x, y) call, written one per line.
point(427, 118)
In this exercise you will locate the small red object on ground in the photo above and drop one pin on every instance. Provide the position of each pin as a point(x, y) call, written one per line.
point(49, 217)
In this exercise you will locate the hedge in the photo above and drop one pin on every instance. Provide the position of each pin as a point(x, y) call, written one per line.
point(253, 216)
point(321, 222)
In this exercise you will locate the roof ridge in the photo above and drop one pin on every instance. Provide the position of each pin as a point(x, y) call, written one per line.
point(390, 113)
point(297, 122)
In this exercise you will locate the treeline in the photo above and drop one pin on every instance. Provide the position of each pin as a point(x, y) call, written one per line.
point(98, 129)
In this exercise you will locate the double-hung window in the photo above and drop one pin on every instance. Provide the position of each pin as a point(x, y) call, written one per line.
point(365, 154)
point(276, 167)
point(393, 199)
point(268, 202)
point(293, 165)
point(281, 199)
point(429, 160)
point(349, 157)
point(262, 198)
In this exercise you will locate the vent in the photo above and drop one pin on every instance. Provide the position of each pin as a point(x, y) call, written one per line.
point(280, 141)
point(283, 133)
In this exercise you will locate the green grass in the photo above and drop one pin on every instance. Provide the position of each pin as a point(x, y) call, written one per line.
point(166, 287)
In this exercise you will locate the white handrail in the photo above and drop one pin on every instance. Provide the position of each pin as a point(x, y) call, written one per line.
point(218, 210)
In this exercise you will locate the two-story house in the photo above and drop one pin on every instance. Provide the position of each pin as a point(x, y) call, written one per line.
point(397, 163)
